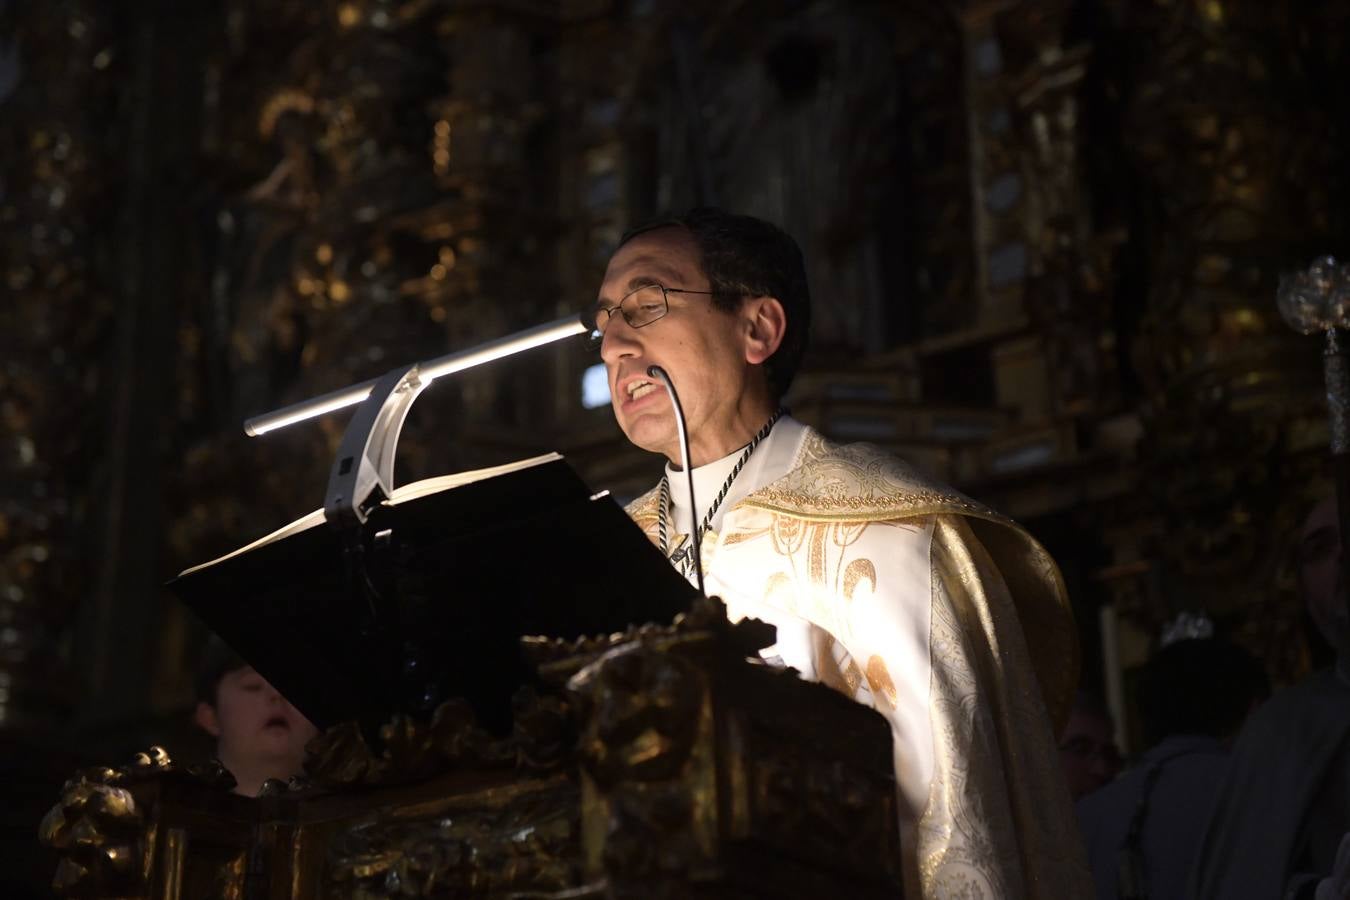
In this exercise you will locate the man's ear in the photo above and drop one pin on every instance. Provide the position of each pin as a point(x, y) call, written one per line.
point(766, 323)
point(206, 718)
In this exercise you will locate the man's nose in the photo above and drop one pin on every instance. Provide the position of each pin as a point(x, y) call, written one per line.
point(620, 340)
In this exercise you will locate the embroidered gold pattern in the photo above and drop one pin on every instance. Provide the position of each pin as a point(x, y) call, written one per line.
point(1002, 649)
point(857, 572)
point(834, 665)
point(960, 834)
point(742, 536)
point(855, 484)
point(879, 679)
point(845, 533)
point(859, 483)
point(998, 821)
point(788, 534)
point(815, 555)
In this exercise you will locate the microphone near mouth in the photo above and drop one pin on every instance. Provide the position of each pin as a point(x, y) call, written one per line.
point(657, 372)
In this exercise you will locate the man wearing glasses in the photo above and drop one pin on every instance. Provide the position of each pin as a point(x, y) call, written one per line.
point(941, 614)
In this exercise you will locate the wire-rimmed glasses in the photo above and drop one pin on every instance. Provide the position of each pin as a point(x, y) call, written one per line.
point(639, 307)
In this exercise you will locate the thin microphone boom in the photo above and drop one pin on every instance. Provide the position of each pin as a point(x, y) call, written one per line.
point(658, 372)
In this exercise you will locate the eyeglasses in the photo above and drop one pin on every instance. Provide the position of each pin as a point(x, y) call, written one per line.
point(640, 307)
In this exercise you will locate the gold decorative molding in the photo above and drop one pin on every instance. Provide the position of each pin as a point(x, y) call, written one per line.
point(658, 762)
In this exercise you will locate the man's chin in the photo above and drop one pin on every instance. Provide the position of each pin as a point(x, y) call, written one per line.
point(655, 434)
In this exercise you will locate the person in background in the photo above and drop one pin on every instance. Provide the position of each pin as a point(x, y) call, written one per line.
point(1279, 825)
point(1141, 830)
point(259, 735)
point(1087, 746)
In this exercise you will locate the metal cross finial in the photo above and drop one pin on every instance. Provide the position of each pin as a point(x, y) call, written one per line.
point(1318, 299)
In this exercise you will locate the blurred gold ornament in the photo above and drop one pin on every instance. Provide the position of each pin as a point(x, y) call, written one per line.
point(283, 101)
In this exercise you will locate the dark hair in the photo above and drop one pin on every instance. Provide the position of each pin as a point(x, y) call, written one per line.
point(747, 257)
point(217, 660)
point(1199, 686)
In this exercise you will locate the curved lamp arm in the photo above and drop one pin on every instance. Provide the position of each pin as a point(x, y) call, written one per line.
point(363, 473)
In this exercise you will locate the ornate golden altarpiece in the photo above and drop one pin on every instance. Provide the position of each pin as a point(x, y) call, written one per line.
point(661, 762)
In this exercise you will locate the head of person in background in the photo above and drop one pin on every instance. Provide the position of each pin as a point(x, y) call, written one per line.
point(1320, 580)
point(1087, 746)
point(259, 735)
point(1200, 687)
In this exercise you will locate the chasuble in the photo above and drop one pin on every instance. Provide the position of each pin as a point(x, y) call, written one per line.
point(944, 616)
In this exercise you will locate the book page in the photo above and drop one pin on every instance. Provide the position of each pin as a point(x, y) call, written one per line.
point(440, 483)
point(301, 524)
point(401, 494)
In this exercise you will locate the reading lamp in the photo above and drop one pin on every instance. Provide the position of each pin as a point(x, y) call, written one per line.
point(363, 473)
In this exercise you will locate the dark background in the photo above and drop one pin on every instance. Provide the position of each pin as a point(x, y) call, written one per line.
point(1043, 239)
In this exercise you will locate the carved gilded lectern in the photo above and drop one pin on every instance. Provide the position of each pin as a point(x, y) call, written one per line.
point(660, 762)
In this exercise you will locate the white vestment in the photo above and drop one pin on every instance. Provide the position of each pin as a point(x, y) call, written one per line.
point(945, 617)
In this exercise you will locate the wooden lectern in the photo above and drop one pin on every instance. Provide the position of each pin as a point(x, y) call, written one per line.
point(658, 762)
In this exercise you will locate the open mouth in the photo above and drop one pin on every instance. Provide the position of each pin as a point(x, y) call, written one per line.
point(639, 389)
point(278, 722)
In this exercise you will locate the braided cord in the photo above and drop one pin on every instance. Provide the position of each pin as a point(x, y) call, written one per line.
point(684, 558)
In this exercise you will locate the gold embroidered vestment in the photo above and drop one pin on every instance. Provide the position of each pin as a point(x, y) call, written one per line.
point(947, 618)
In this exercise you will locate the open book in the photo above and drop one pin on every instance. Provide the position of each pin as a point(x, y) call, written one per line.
point(400, 494)
point(431, 603)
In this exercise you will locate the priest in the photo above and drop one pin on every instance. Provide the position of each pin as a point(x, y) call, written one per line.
point(943, 615)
